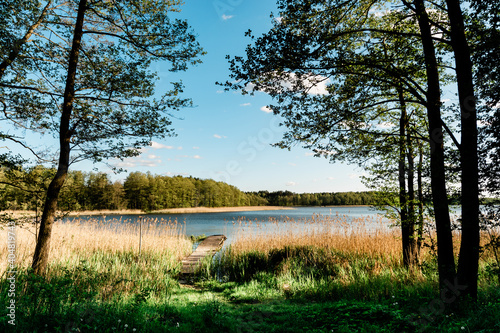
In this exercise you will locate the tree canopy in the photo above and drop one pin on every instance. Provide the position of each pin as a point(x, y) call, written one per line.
point(80, 71)
point(341, 72)
point(115, 107)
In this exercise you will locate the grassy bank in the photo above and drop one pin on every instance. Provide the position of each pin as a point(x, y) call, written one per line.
point(327, 277)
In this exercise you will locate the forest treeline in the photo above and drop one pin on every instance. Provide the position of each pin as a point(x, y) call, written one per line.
point(287, 198)
point(22, 189)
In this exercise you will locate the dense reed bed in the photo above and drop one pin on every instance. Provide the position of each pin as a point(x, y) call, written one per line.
point(333, 257)
point(370, 235)
point(82, 239)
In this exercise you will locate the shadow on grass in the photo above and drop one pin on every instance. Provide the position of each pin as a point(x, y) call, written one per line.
point(81, 299)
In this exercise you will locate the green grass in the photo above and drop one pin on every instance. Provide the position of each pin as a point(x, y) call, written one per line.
point(293, 289)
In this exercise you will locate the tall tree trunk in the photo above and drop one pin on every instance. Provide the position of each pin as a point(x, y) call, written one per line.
point(420, 191)
point(446, 262)
point(469, 248)
point(41, 256)
point(405, 227)
point(411, 197)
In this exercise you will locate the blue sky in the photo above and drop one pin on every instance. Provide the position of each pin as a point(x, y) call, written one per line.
point(227, 136)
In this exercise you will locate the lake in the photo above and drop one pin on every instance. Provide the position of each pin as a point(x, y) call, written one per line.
point(258, 222)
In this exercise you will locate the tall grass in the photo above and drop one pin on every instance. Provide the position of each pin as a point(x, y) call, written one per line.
point(96, 275)
point(370, 235)
point(97, 281)
point(331, 256)
point(83, 239)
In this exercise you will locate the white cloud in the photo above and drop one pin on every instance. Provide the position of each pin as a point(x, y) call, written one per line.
point(137, 161)
point(246, 104)
point(156, 145)
point(309, 154)
point(196, 157)
point(317, 88)
point(313, 84)
point(227, 17)
point(217, 136)
point(385, 125)
point(152, 157)
point(357, 175)
point(324, 152)
point(330, 178)
point(291, 184)
point(266, 109)
point(196, 147)
point(170, 173)
point(482, 123)
point(292, 164)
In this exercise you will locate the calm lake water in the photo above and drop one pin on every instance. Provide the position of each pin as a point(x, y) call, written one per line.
point(300, 219)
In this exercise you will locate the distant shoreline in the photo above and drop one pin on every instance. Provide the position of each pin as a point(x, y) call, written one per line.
point(218, 209)
point(191, 210)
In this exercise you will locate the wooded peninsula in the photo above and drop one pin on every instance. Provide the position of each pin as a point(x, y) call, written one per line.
point(88, 191)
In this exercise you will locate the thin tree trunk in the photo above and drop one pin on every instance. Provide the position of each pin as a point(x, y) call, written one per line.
point(446, 262)
point(411, 199)
point(420, 191)
point(469, 249)
point(405, 230)
point(41, 256)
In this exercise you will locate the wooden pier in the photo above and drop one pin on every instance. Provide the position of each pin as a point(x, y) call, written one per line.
point(208, 247)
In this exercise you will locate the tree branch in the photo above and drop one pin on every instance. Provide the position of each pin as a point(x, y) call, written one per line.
point(17, 45)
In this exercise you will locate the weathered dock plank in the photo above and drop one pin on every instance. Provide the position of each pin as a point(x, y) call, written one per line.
point(208, 247)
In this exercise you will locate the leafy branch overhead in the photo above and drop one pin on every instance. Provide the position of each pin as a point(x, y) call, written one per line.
point(116, 109)
point(337, 70)
point(363, 82)
point(80, 70)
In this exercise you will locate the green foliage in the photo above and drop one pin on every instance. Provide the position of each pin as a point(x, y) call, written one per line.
point(198, 238)
point(319, 290)
point(154, 192)
point(95, 191)
point(113, 111)
point(25, 189)
point(287, 198)
point(295, 261)
point(490, 224)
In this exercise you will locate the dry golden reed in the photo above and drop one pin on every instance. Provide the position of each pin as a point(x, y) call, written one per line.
point(369, 236)
point(78, 240)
